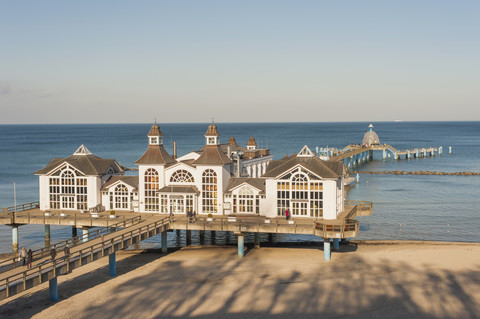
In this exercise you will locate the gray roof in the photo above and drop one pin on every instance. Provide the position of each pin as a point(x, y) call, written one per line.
point(129, 180)
point(317, 166)
point(87, 164)
point(188, 189)
point(212, 155)
point(258, 183)
point(155, 154)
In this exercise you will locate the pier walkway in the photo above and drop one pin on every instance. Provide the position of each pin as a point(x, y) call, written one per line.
point(354, 155)
point(120, 235)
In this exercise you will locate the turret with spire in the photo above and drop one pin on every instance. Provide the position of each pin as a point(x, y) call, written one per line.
point(155, 153)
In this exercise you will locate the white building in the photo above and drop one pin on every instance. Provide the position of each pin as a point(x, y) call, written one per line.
point(219, 179)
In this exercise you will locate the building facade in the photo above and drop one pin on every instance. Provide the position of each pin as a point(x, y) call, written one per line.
point(219, 179)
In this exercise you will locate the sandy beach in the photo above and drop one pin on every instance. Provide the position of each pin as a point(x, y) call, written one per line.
point(368, 280)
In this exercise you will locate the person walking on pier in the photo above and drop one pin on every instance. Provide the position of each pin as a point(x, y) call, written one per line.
point(287, 214)
point(66, 250)
point(53, 254)
point(29, 258)
point(23, 255)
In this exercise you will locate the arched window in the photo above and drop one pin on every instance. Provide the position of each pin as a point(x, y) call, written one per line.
point(121, 197)
point(209, 191)
point(246, 200)
point(68, 182)
point(182, 176)
point(300, 186)
point(151, 188)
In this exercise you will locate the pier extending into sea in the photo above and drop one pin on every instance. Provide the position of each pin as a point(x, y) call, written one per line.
point(354, 155)
point(102, 234)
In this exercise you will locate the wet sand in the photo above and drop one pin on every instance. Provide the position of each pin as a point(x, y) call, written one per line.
point(369, 280)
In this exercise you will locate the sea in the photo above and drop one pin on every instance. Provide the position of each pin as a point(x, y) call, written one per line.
point(405, 207)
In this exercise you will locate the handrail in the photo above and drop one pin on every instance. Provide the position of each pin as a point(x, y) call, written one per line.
point(20, 207)
point(42, 252)
point(89, 250)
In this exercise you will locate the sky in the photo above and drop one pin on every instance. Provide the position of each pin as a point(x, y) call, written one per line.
point(239, 61)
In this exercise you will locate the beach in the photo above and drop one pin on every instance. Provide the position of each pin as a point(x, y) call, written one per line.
point(363, 280)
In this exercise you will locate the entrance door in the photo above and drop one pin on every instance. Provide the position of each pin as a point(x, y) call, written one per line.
point(177, 204)
point(299, 208)
point(68, 202)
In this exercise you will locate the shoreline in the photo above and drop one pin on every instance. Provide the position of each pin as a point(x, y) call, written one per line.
point(366, 279)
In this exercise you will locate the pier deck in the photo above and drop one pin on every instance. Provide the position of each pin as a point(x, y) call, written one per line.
point(16, 279)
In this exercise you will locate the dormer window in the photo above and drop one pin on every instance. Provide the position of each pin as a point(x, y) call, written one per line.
point(211, 141)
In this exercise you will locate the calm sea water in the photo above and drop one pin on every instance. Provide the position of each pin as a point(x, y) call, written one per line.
point(405, 207)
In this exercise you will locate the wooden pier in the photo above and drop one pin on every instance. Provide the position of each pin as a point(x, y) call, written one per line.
point(355, 155)
point(128, 229)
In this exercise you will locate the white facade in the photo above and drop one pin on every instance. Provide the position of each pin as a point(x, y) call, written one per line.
point(203, 181)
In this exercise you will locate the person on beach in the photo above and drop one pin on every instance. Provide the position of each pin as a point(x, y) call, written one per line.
point(53, 254)
point(23, 255)
point(66, 250)
point(29, 258)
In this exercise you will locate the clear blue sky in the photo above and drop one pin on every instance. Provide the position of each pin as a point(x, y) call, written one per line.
point(188, 61)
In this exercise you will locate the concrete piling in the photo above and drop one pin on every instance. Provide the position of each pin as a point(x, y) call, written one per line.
point(241, 245)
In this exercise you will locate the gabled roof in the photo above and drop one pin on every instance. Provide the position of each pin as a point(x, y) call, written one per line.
point(234, 182)
point(212, 155)
point(155, 154)
point(129, 180)
point(86, 164)
point(317, 166)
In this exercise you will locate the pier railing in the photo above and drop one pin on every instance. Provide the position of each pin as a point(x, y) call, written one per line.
point(21, 207)
point(13, 262)
point(363, 208)
point(50, 268)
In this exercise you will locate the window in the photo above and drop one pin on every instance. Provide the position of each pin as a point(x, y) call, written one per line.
point(151, 188)
point(182, 176)
point(283, 197)
point(121, 197)
point(302, 194)
point(245, 200)
point(54, 193)
point(82, 193)
point(209, 191)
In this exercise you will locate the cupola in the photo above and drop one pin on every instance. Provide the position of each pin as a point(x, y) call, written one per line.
point(252, 144)
point(212, 137)
point(155, 136)
point(370, 138)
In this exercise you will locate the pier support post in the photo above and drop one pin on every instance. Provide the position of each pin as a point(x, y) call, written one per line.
point(53, 289)
point(408, 154)
point(449, 150)
point(241, 245)
point(202, 237)
point(370, 154)
point(440, 150)
point(15, 238)
point(384, 154)
point(112, 264)
point(164, 241)
point(396, 156)
point(326, 249)
point(47, 235)
point(213, 235)
point(358, 178)
point(84, 234)
point(416, 153)
point(188, 237)
point(74, 231)
point(336, 244)
point(257, 240)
